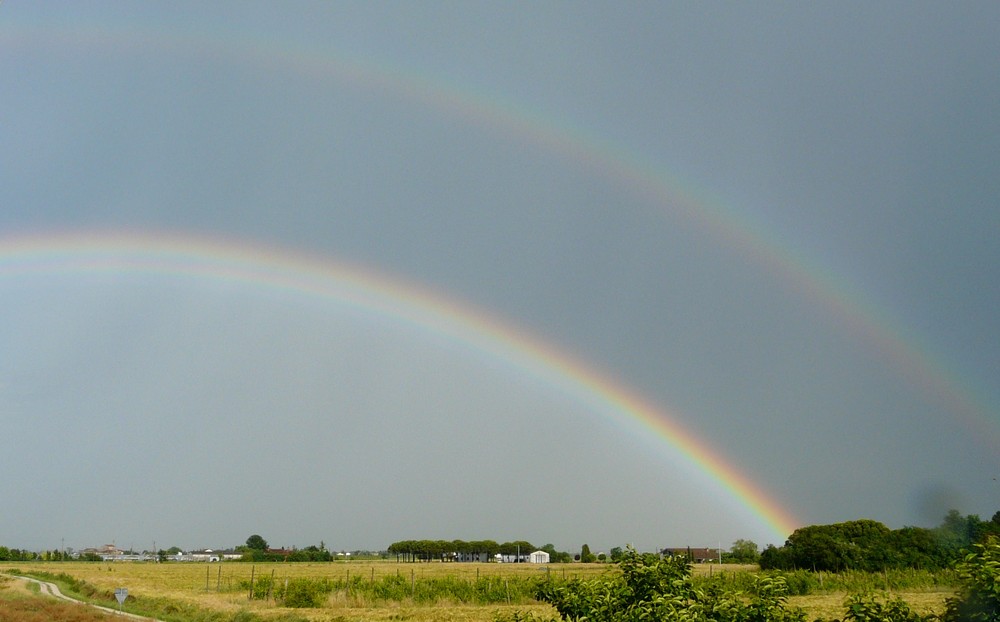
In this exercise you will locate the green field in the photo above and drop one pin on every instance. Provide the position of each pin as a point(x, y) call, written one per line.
point(354, 591)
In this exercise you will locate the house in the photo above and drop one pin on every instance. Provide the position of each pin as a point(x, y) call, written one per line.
point(108, 552)
point(695, 555)
point(539, 557)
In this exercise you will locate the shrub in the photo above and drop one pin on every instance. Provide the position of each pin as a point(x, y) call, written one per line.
point(654, 588)
point(978, 600)
point(868, 608)
point(302, 593)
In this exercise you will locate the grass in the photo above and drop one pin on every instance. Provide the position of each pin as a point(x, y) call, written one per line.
point(830, 606)
point(420, 592)
point(20, 601)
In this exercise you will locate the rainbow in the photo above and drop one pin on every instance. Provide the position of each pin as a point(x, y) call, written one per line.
point(286, 272)
point(831, 293)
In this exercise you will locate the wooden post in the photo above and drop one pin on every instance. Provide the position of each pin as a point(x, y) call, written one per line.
point(218, 580)
point(206, 578)
point(250, 597)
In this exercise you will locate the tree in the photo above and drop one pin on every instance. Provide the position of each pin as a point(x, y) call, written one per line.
point(744, 552)
point(774, 558)
point(256, 543)
point(557, 557)
point(586, 556)
point(616, 554)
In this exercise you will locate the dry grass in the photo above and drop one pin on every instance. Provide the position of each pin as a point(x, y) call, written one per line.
point(19, 603)
point(216, 587)
point(831, 606)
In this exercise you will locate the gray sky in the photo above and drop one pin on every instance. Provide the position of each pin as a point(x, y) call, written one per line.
point(776, 223)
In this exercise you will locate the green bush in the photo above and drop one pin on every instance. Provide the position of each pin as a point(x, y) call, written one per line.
point(301, 593)
point(978, 599)
point(653, 588)
point(868, 608)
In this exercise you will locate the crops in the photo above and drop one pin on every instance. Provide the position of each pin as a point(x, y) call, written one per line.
point(186, 591)
point(380, 590)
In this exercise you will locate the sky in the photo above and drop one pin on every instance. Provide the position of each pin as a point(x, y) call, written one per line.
point(659, 274)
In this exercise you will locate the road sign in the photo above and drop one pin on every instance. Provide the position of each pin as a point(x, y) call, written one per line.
point(121, 594)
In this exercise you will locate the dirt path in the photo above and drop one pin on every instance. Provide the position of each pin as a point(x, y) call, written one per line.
point(51, 589)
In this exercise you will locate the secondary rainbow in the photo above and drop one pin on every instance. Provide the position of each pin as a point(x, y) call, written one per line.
point(830, 292)
point(277, 269)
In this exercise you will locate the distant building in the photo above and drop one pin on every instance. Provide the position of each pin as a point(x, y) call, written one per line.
point(208, 555)
point(695, 555)
point(108, 552)
point(539, 557)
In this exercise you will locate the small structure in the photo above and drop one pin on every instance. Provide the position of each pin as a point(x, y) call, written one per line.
point(108, 552)
point(208, 555)
point(204, 555)
point(695, 555)
point(538, 557)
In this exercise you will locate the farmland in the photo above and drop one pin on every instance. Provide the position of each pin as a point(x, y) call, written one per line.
point(184, 588)
point(374, 590)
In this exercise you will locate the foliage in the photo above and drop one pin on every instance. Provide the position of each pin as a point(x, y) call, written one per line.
point(310, 554)
point(520, 616)
point(871, 546)
point(305, 593)
point(586, 556)
point(653, 588)
point(256, 543)
point(978, 600)
point(558, 557)
point(958, 532)
point(427, 550)
point(16, 555)
point(868, 608)
point(743, 552)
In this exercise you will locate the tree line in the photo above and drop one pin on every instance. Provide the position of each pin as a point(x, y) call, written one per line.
point(871, 546)
point(429, 550)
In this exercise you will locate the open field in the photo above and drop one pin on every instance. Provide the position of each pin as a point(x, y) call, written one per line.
point(223, 588)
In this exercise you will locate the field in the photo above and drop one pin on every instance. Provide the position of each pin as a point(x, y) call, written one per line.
point(423, 591)
point(224, 587)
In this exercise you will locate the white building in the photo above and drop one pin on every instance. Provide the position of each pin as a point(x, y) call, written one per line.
point(539, 557)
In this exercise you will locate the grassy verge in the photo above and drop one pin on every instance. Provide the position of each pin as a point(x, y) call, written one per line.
point(152, 607)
